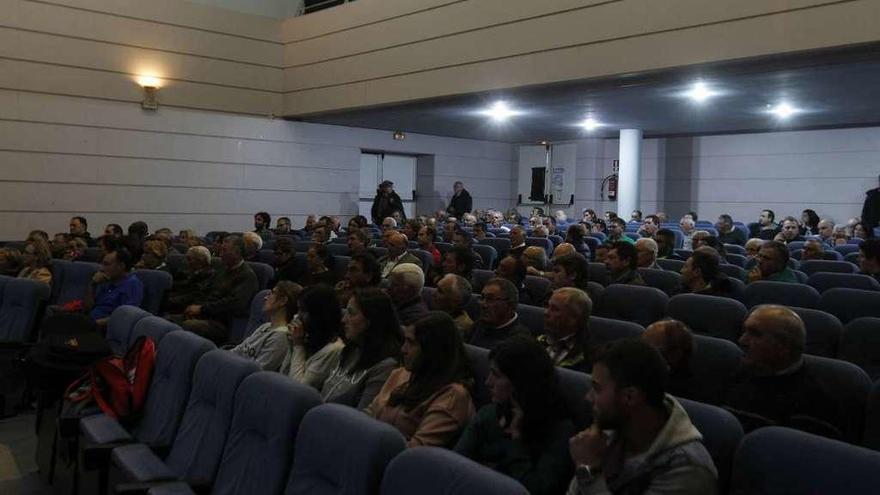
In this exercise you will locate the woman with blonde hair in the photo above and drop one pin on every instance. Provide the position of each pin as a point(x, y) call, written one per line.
point(153, 258)
point(36, 259)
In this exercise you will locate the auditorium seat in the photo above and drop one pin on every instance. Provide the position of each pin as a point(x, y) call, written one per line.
point(671, 265)
point(176, 358)
point(120, 325)
point(849, 304)
point(643, 305)
point(265, 273)
point(479, 279)
point(795, 246)
point(437, 471)
point(721, 432)
point(266, 256)
point(713, 360)
point(823, 281)
point(782, 461)
point(593, 244)
point(574, 387)
point(860, 345)
point(667, 281)
point(176, 262)
point(488, 253)
point(502, 246)
point(538, 287)
point(598, 273)
point(684, 254)
point(598, 235)
point(714, 316)
point(153, 327)
point(532, 317)
point(92, 255)
point(871, 436)
point(542, 242)
point(198, 446)
point(845, 249)
point(813, 266)
point(342, 451)
point(302, 246)
point(156, 282)
point(823, 331)
point(557, 239)
point(337, 249)
point(425, 257)
point(733, 271)
point(479, 359)
point(735, 249)
point(848, 386)
point(428, 296)
point(604, 330)
point(786, 294)
point(20, 308)
point(256, 317)
point(75, 278)
point(340, 266)
point(736, 259)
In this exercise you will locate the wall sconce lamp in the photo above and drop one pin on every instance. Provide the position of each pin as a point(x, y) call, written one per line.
point(151, 88)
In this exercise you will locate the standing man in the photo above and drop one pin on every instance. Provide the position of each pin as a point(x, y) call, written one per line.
point(461, 201)
point(871, 209)
point(386, 203)
point(79, 227)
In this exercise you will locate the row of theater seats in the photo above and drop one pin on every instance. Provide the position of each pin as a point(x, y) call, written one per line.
point(217, 419)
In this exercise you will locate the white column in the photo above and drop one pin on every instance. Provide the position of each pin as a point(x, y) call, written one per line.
point(629, 176)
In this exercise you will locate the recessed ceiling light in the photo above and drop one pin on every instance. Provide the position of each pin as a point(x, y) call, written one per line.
point(700, 92)
point(783, 110)
point(500, 111)
point(590, 123)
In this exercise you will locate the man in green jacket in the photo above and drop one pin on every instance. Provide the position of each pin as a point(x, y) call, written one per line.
point(773, 264)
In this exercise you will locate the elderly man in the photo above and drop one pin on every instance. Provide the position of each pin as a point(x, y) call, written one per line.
point(229, 296)
point(405, 284)
point(791, 231)
point(621, 263)
point(388, 223)
point(813, 250)
point(252, 245)
point(774, 382)
point(826, 231)
point(869, 258)
point(517, 241)
point(753, 246)
point(567, 329)
point(688, 227)
point(452, 296)
point(192, 282)
point(773, 264)
point(727, 234)
point(461, 201)
point(498, 319)
point(397, 253)
point(646, 253)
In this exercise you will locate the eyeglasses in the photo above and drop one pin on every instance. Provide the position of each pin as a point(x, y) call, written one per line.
point(491, 299)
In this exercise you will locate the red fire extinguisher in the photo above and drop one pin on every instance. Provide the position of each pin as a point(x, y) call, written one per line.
point(611, 180)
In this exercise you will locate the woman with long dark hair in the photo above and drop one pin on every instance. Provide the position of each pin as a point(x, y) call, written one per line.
point(428, 398)
point(524, 432)
point(371, 332)
point(314, 337)
point(809, 222)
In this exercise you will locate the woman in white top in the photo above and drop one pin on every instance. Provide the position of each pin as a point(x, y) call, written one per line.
point(314, 344)
point(268, 344)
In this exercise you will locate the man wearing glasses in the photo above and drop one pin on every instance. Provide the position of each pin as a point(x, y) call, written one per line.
point(498, 319)
point(773, 264)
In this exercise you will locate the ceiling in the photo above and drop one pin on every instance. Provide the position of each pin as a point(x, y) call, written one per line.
point(832, 88)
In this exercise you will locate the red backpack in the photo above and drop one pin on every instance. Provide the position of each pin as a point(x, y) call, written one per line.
point(116, 384)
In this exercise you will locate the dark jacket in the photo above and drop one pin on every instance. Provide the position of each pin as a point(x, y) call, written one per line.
point(384, 205)
point(871, 208)
point(733, 237)
point(187, 289)
point(293, 270)
point(488, 337)
point(231, 294)
point(412, 311)
point(460, 204)
point(629, 277)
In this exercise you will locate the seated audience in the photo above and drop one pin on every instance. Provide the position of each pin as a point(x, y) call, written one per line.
point(599, 227)
point(602, 253)
point(826, 232)
point(113, 285)
point(616, 228)
point(621, 263)
point(314, 335)
point(727, 234)
point(773, 264)
point(869, 258)
point(358, 242)
point(753, 246)
point(665, 239)
point(59, 245)
point(321, 232)
point(287, 267)
point(37, 260)
point(480, 231)
point(862, 231)
point(573, 271)
point(774, 383)
point(791, 231)
point(813, 250)
point(513, 269)
point(113, 230)
point(363, 271)
point(498, 319)
point(311, 221)
point(76, 249)
point(189, 238)
point(426, 238)
point(319, 266)
point(267, 345)
point(79, 229)
point(153, 257)
point(458, 261)
point(535, 259)
point(452, 296)
point(464, 239)
point(524, 432)
point(428, 399)
point(228, 297)
point(388, 223)
point(635, 216)
point(767, 228)
point(372, 339)
point(449, 229)
point(397, 253)
point(11, 262)
point(675, 342)
point(650, 226)
point(262, 224)
point(809, 222)
point(840, 235)
point(216, 246)
point(192, 282)
point(549, 223)
point(688, 227)
point(575, 235)
point(411, 229)
point(646, 253)
point(567, 329)
point(517, 241)
point(563, 249)
point(283, 226)
point(540, 231)
point(252, 245)
point(405, 288)
point(701, 275)
point(641, 439)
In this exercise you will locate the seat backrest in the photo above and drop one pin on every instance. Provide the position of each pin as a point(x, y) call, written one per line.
point(598, 273)
point(722, 434)
point(671, 265)
point(267, 256)
point(574, 387)
point(532, 317)
point(813, 266)
point(176, 262)
point(337, 249)
point(604, 330)
point(257, 317)
point(437, 471)
point(848, 385)
point(269, 408)
point(479, 278)
point(713, 360)
point(479, 359)
point(823, 331)
point(501, 245)
point(776, 460)
point(860, 345)
point(75, 280)
point(822, 281)
point(871, 436)
point(265, 273)
point(153, 327)
point(733, 271)
point(667, 281)
point(786, 294)
point(845, 249)
point(121, 324)
point(340, 266)
point(199, 443)
point(736, 259)
point(538, 287)
point(852, 257)
point(342, 451)
point(598, 235)
point(176, 358)
point(488, 253)
point(643, 305)
point(156, 282)
point(719, 317)
point(543, 242)
point(735, 249)
point(22, 302)
point(849, 304)
point(425, 257)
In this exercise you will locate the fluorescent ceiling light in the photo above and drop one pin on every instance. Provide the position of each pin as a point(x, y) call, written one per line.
point(500, 111)
point(700, 92)
point(783, 110)
point(590, 123)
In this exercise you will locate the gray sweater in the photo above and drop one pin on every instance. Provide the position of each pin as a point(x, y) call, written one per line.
point(356, 388)
point(267, 346)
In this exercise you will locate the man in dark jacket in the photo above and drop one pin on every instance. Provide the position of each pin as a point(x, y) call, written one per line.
point(461, 201)
point(386, 203)
point(191, 283)
point(871, 209)
point(498, 318)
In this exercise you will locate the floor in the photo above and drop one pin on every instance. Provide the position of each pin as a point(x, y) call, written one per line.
point(18, 467)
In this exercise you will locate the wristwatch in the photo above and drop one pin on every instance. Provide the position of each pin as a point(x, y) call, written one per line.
point(585, 474)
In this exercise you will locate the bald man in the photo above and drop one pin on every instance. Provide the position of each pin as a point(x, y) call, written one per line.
point(774, 383)
point(397, 253)
point(675, 342)
point(646, 253)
